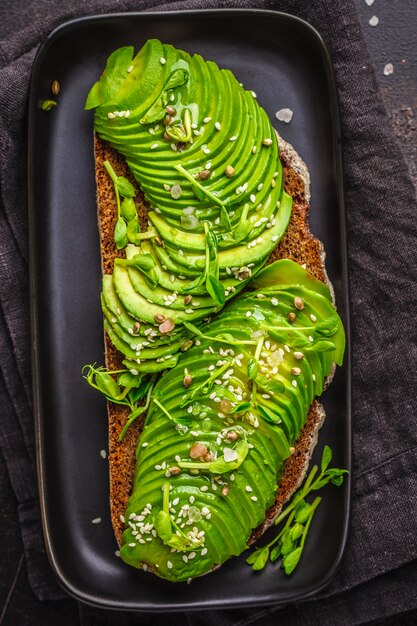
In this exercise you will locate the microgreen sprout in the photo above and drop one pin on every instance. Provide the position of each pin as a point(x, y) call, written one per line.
point(288, 544)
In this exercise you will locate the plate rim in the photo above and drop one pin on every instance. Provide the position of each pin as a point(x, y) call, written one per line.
point(98, 600)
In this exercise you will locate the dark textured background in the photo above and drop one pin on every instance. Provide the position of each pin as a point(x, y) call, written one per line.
point(394, 41)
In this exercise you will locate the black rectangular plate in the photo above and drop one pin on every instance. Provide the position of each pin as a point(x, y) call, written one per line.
point(285, 62)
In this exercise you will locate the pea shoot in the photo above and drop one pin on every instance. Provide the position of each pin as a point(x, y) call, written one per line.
point(289, 543)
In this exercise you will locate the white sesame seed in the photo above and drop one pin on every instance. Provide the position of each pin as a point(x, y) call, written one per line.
point(253, 94)
point(267, 142)
point(253, 149)
point(294, 383)
point(217, 126)
point(374, 21)
point(191, 499)
point(185, 558)
point(122, 518)
point(206, 120)
point(111, 115)
point(252, 198)
point(169, 565)
point(204, 488)
point(129, 69)
point(162, 61)
point(254, 498)
point(310, 338)
point(96, 520)
point(154, 146)
point(103, 454)
point(206, 150)
point(314, 377)
point(248, 313)
point(117, 553)
point(274, 238)
point(189, 580)
point(203, 552)
point(248, 488)
point(233, 138)
point(274, 302)
point(131, 544)
point(194, 433)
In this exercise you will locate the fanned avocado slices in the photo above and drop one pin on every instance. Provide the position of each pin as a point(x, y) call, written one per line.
point(206, 157)
point(224, 419)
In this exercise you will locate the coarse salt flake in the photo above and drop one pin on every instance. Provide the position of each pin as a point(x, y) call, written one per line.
point(284, 115)
point(230, 455)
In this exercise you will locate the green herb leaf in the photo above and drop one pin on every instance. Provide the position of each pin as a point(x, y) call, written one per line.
point(252, 557)
point(177, 79)
point(287, 546)
point(224, 219)
point(215, 289)
point(276, 386)
point(290, 561)
point(303, 513)
point(163, 526)
point(261, 559)
point(133, 228)
point(128, 207)
point(127, 379)
point(296, 531)
point(252, 368)
point(125, 188)
point(193, 329)
point(337, 476)
point(47, 105)
point(326, 457)
point(142, 261)
point(320, 345)
point(242, 230)
point(120, 234)
point(328, 327)
point(107, 385)
point(243, 407)
point(269, 415)
point(275, 552)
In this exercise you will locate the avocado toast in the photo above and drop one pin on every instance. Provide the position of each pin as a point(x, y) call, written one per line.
point(219, 194)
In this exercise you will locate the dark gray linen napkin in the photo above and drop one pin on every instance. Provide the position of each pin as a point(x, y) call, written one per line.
point(382, 237)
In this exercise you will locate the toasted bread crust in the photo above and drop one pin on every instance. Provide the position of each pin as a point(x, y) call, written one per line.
point(298, 244)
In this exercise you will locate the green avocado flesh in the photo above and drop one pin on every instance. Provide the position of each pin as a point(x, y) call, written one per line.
point(254, 377)
point(206, 157)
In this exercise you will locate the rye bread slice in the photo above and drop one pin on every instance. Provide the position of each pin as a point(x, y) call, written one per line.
point(298, 244)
